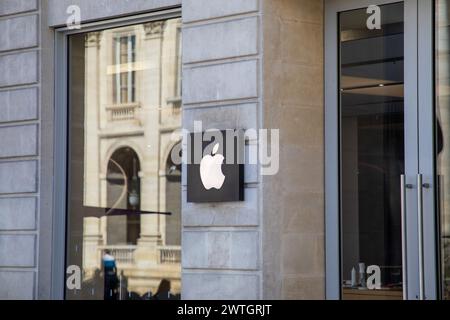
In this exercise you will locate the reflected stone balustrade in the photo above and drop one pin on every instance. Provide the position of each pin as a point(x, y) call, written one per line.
point(123, 112)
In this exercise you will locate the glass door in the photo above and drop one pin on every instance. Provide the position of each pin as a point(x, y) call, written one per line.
point(372, 120)
point(379, 171)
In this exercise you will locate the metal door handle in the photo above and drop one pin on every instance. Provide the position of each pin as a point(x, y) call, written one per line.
point(403, 188)
point(420, 187)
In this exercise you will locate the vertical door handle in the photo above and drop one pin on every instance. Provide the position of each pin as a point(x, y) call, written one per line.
point(420, 187)
point(403, 188)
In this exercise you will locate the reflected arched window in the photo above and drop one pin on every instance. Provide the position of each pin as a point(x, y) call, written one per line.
point(124, 192)
point(173, 171)
point(173, 201)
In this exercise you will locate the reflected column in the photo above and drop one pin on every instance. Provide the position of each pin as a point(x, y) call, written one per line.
point(149, 91)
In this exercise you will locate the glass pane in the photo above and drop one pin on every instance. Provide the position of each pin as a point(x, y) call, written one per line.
point(443, 131)
point(124, 187)
point(372, 153)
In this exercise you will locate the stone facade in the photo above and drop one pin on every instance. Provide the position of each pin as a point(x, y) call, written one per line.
point(221, 88)
point(20, 78)
point(293, 200)
point(246, 64)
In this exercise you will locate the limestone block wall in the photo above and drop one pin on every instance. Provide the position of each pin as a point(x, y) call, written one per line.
point(293, 200)
point(222, 88)
point(20, 49)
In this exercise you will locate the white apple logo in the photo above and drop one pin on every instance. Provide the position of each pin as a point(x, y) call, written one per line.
point(211, 170)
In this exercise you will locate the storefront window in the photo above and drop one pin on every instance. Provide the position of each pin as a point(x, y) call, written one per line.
point(124, 186)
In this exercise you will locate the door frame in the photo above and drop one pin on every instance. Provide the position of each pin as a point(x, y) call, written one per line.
point(419, 95)
point(427, 146)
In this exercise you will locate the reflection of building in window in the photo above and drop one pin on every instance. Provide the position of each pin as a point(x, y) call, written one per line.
point(124, 73)
point(442, 133)
point(173, 201)
point(132, 107)
point(178, 82)
point(123, 192)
